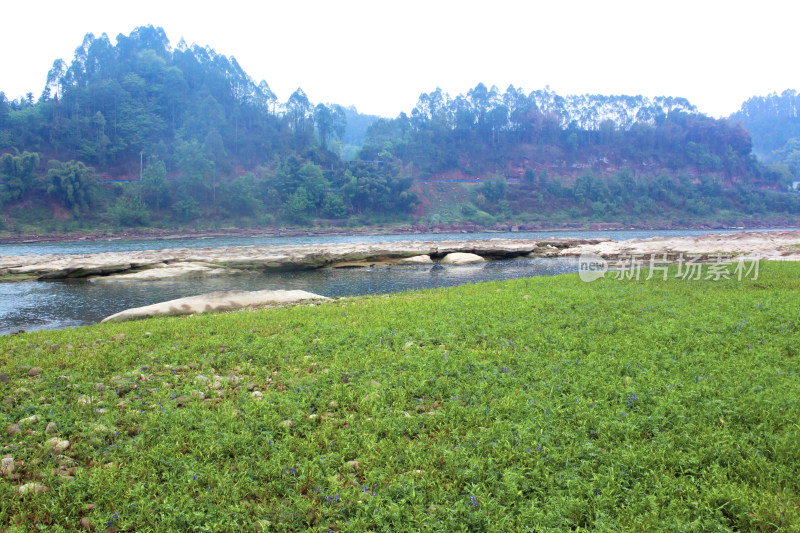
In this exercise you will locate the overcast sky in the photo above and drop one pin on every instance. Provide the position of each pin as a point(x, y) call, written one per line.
point(380, 55)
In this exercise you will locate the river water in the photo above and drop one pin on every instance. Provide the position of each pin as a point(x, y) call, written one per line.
point(32, 305)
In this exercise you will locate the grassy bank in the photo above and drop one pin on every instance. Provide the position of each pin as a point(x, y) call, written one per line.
point(533, 404)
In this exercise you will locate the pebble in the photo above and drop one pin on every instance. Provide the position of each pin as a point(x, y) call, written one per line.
point(57, 445)
point(257, 395)
point(85, 524)
point(353, 464)
point(32, 487)
point(35, 371)
point(287, 423)
point(119, 337)
point(7, 466)
point(51, 428)
point(375, 383)
point(29, 420)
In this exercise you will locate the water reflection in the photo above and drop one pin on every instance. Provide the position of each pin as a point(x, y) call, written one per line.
point(47, 305)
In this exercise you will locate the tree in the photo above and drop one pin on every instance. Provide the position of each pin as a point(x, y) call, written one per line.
point(331, 123)
point(333, 206)
point(197, 171)
point(298, 205)
point(18, 172)
point(241, 197)
point(72, 184)
point(298, 115)
point(154, 183)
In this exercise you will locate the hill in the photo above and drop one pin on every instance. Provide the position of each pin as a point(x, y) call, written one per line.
point(774, 123)
point(139, 133)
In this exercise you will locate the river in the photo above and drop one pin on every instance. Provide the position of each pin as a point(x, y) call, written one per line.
point(33, 305)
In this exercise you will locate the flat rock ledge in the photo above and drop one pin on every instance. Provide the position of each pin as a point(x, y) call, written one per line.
point(195, 262)
point(215, 301)
point(768, 245)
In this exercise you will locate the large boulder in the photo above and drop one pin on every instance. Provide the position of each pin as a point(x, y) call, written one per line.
point(461, 258)
point(215, 301)
point(416, 260)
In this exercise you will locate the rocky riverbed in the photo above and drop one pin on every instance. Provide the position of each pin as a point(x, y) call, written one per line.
point(165, 264)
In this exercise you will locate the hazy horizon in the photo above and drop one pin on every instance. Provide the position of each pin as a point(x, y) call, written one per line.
point(380, 57)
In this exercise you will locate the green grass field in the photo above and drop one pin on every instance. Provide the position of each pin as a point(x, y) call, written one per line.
point(541, 404)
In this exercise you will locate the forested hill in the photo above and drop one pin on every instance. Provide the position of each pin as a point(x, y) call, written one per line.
point(141, 95)
point(489, 131)
point(192, 115)
point(774, 123)
point(141, 133)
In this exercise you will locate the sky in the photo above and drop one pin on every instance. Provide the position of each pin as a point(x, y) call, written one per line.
point(380, 55)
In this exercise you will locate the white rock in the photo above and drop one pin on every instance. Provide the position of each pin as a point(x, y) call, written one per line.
point(29, 420)
point(215, 301)
point(461, 258)
point(6, 466)
point(57, 445)
point(32, 487)
point(416, 260)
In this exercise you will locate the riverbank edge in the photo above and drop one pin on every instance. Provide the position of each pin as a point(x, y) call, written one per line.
point(194, 262)
point(131, 234)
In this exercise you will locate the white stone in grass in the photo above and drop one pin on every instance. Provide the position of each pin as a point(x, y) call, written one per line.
point(57, 445)
point(51, 428)
point(29, 420)
point(32, 487)
point(7, 466)
point(287, 423)
point(256, 395)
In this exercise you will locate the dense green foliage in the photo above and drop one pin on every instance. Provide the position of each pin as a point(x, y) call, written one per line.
point(487, 129)
point(623, 198)
point(773, 121)
point(538, 404)
point(196, 141)
point(197, 119)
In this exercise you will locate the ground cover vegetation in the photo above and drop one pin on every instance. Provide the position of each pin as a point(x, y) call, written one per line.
point(532, 404)
point(140, 134)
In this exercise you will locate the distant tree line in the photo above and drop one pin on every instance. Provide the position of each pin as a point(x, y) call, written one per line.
point(196, 139)
point(203, 136)
point(486, 129)
point(774, 121)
